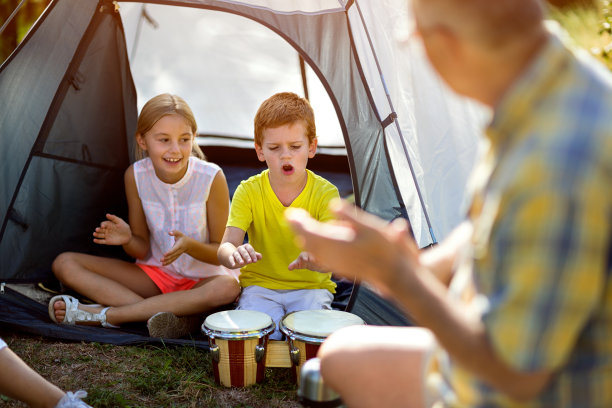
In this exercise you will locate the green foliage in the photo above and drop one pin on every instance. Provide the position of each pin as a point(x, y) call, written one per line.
point(606, 30)
point(16, 30)
point(589, 27)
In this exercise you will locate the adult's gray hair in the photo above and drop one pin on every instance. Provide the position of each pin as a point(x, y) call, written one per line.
point(489, 23)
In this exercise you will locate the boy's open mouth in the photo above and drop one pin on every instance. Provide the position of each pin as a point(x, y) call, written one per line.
point(287, 167)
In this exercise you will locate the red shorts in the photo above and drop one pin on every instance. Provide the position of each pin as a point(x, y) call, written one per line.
point(167, 283)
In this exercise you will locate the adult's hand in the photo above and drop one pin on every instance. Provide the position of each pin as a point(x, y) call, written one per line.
point(306, 260)
point(358, 245)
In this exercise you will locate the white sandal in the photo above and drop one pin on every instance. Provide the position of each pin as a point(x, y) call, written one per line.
point(73, 400)
point(75, 315)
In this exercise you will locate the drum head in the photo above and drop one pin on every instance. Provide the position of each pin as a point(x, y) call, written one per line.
point(231, 321)
point(319, 323)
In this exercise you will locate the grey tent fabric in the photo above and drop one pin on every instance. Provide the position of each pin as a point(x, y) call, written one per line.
point(99, 87)
point(376, 310)
point(23, 314)
point(27, 94)
point(69, 114)
point(324, 41)
point(64, 136)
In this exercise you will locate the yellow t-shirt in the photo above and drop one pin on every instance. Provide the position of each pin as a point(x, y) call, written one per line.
point(257, 210)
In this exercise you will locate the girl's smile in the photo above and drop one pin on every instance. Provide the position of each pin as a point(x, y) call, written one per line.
point(168, 143)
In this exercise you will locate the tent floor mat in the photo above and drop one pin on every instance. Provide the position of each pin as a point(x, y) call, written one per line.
point(24, 308)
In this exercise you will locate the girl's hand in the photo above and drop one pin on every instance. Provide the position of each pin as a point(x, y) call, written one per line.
point(114, 231)
point(305, 261)
point(181, 245)
point(244, 255)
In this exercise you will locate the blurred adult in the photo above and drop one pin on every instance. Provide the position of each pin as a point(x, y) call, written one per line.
point(534, 252)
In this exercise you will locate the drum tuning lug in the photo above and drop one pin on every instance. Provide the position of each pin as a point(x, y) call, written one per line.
point(214, 352)
point(260, 352)
point(294, 353)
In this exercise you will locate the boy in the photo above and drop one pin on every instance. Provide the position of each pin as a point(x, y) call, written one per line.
point(276, 277)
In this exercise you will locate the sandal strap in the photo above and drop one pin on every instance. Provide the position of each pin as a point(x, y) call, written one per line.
point(103, 322)
point(75, 315)
point(73, 400)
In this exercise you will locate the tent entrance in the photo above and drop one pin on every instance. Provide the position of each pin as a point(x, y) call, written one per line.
point(67, 131)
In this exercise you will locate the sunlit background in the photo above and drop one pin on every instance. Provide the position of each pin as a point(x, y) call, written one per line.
point(224, 65)
point(200, 55)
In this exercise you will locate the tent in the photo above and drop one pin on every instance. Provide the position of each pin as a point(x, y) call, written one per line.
point(71, 92)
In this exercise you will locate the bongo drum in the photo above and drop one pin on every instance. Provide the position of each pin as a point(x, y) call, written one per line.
point(307, 330)
point(238, 340)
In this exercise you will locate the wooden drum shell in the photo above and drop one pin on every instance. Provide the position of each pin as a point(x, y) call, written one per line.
point(238, 345)
point(237, 366)
point(304, 338)
point(307, 350)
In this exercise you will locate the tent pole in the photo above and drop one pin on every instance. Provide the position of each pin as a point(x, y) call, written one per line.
point(144, 15)
point(303, 72)
point(137, 35)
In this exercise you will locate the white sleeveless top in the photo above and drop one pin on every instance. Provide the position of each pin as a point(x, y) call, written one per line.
point(180, 206)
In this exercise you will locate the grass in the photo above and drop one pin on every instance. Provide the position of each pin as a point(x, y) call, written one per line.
point(144, 376)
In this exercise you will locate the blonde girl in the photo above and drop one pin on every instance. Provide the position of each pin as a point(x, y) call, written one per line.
point(178, 206)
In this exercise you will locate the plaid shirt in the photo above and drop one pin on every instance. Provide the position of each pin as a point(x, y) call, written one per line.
point(542, 214)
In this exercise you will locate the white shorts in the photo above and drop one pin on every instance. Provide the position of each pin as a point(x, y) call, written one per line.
point(277, 303)
point(2, 344)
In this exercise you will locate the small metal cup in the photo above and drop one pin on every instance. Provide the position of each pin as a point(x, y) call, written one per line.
point(312, 391)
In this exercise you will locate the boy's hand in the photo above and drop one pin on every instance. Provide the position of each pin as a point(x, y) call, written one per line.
point(114, 231)
point(305, 261)
point(244, 255)
point(181, 245)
